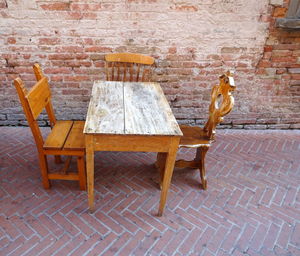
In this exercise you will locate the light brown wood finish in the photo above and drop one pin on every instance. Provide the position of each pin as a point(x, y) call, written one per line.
point(201, 138)
point(133, 130)
point(49, 108)
point(65, 138)
point(129, 67)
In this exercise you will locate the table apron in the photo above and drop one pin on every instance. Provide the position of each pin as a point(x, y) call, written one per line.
point(132, 143)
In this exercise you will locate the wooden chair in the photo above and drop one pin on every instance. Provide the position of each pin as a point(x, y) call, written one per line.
point(128, 67)
point(201, 138)
point(65, 138)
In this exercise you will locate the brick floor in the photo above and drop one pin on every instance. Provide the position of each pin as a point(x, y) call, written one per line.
point(251, 207)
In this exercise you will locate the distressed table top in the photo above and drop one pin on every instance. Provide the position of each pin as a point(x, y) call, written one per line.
point(126, 108)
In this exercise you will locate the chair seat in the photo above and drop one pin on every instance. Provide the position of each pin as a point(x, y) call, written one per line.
point(66, 135)
point(193, 137)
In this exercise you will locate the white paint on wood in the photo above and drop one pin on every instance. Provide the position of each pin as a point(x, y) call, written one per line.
point(106, 112)
point(147, 110)
point(130, 108)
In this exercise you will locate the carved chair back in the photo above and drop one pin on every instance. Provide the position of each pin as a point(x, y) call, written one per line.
point(221, 104)
point(128, 67)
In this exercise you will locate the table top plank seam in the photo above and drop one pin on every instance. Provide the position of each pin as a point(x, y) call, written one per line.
point(130, 109)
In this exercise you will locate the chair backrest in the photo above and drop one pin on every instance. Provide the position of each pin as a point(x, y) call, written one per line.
point(221, 104)
point(33, 103)
point(128, 67)
point(49, 108)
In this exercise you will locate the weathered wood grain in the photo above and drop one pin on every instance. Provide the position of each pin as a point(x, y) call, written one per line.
point(147, 111)
point(106, 110)
point(130, 108)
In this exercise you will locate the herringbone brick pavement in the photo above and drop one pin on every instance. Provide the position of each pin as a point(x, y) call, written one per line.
point(251, 207)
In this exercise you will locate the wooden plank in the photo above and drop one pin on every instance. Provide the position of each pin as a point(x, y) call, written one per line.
point(131, 143)
point(130, 58)
point(59, 176)
point(75, 140)
point(58, 135)
point(147, 111)
point(38, 97)
point(106, 111)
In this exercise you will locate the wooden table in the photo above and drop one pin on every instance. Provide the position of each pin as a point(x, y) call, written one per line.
point(124, 116)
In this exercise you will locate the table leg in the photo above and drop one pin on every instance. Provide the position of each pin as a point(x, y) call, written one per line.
point(169, 167)
point(89, 144)
point(160, 164)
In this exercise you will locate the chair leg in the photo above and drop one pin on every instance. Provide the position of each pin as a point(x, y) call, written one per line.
point(160, 164)
point(200, 157)
point(44, 170)
point(57, 159)
point(81, 172)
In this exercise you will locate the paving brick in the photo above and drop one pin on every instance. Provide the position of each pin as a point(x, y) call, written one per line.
point(258, 237)
point(145, 245)
point(26, 245)
point(132, 245)
point(176, 241)
point(109, 222)
point(188, 244)
point(251, 205)
point(71, 245)
point(119, 243)
point(12, 246)
point(57, 245)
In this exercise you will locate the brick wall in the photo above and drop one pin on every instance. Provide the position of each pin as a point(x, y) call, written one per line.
point(192, 41)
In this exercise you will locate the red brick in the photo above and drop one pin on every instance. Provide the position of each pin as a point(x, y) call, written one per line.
point(56, 7)
point(187, 8)
point(285, 234)
point(162, 242)
point(98, 49)
point(11, 40)
point(85, 7)
point(279, 12)
point(13, 246)
point(9, 228)
point(133, 243)
point(49, 41)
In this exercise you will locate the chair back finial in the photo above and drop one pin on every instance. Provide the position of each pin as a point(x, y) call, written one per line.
point(38, 71)
point(221, 104)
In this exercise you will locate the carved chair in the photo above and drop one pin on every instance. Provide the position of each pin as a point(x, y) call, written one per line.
point(221, 104)
point(66, 137)
point(128, 67)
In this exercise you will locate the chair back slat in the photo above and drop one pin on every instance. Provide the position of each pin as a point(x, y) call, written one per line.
point(126, 63)
point(49, 108)
point(221, 104)
point(131, 71)
point(22, 93)
point(38, 97)
point(124, 70)
point(38, 72)
point(118, 70)
point(129, 58)
point(138, 68)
